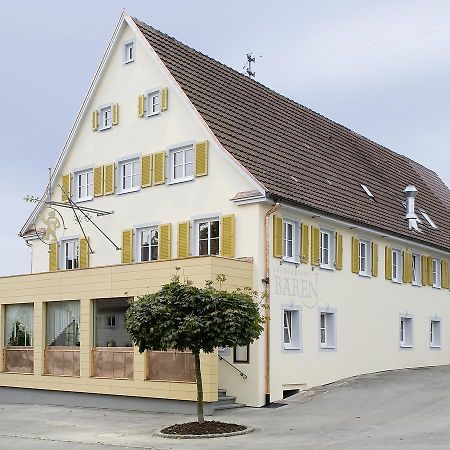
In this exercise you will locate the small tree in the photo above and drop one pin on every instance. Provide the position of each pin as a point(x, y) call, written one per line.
point(181, 316)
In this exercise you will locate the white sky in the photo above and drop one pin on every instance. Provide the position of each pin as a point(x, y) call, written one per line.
point(380, 68)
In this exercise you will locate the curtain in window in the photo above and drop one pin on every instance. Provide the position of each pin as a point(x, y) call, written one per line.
point(19, 324)
point(63, 322)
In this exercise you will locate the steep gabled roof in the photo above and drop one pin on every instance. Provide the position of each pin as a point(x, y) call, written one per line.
point(300, 156)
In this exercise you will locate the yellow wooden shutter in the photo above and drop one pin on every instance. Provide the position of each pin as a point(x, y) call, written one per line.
point(146, 170)
point(141, 100)
point(339, 251)
point(445, 282)
point(424, 267)
point(127, 246)
point(84, 253)
point(164, 241)
point(53, 257)
point(315, 246)
point(98, 181)
point(374, 259)
point(304, 250)
point(159, 168)
point(115, 114)
point(66, 185)
point(277, 237)
point(201, 159)
point(164, 99)
point(430, 270)
point(183, 245)
point(407, 267)
point(95, 121)
point(355, 255)
point(388, 263)
point(109, 179)
point(227, 236)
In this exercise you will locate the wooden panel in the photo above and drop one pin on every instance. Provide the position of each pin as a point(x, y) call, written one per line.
point(113, 362)
point(18, 359)
point(62, 361)
point(171, 366)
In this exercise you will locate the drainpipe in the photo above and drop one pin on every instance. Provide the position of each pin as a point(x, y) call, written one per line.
point(266, 282)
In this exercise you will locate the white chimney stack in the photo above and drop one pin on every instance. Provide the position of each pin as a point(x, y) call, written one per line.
point(411, 216)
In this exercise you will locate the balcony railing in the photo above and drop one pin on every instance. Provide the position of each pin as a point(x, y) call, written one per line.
point(113, 362)
point(18, 359)
point(171, 366)
point(62, 361)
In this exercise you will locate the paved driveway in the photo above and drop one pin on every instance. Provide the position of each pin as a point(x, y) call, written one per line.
point(391, 410)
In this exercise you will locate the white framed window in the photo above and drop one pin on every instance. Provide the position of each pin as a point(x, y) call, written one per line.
point(105, 117)
point(291, 319)
point(406, 331)
point(129, 175)
point(84, 184)
point(290, 240)
point(436, 267)
point(326, 253)
point(435, 333)
point(181, 164)
point(152, 103)
point(397, 266)
point(128, 51)
point(327, 329)
point(364, 258)
point(70, 254)
point(148, 243)
point(110, 321)
point(207, 236)
point(416, 270)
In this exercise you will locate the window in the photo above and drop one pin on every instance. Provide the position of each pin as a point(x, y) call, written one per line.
point(110, 321)
point(181, 164)
point(436, 265)
point(84, 185)
point(327, 330)
point(128, 52)
point(63, 324)
point(364, 258)
point(326, 249)
point(291, 328)
point(208, 237)
point(19, 325)
point(416, 270)
point(396, 265)
point(241, 354)
point(152, 103)
point(105, 117)
point(70, 250)
point(290, 246)
point(148, 244)
point(435, 333)
point(129, 175)
point(406, 334)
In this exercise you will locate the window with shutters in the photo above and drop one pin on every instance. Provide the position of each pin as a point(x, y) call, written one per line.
point(152, 103)
point(406, 331)
point(436, 266)
point(70, 249)
point(396, 266)
point(83, 184)
point(435, 333)
point(128, 51)
point(291, 247)
point(129, 175)
point(416, 269)
point(326, 254)
point(364, 258)
point(147, 243)
point(327, 329)
point(291, 327)
point(207, 236)
point(181, 164)
point(105, 117)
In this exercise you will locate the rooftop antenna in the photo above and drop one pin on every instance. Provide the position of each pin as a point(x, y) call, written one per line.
point(248, 66)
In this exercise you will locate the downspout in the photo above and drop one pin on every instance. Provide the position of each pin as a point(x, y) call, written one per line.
point(266, 282)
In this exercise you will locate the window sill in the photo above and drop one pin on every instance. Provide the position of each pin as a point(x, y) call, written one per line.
point(416, 284)
point(82, 200)
point(129, 61)
point(291, 347)
point(436, 287)
point(180, 180)
point(407, 346)
point(364, 275)
point(105, 128)
point(127, 191)
point(157, 113)
point(327, 347)
point(326, 267)
point(290, 260)
point(397, 281)
point(435, 347)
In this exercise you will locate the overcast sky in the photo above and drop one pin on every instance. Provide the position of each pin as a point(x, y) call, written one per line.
point(380, 68)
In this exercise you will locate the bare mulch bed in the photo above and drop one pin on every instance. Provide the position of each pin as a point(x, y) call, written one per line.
point(205, 428)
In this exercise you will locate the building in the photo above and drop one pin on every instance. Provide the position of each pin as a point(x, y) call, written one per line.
point(177, 163)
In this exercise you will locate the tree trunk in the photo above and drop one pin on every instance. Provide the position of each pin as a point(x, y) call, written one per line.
point(198, 376)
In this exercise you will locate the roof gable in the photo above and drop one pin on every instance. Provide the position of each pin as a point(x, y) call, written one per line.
point(300, 156)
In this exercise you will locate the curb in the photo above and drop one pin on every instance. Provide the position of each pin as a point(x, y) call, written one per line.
point(203, 436)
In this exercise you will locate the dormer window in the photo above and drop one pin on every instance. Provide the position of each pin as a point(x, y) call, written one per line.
point(128, 51)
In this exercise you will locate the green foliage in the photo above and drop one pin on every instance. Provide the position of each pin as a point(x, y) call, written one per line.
point(20, 337)
point(181, 316)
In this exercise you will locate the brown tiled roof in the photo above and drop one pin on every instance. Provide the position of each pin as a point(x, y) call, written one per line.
point(300, 156)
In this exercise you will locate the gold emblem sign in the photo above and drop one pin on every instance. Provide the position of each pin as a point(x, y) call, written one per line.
point(49, 226)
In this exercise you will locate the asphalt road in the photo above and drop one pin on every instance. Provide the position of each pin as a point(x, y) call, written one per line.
point(407, 409)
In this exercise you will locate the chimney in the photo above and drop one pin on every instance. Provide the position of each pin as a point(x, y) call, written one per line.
point(411, 217)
